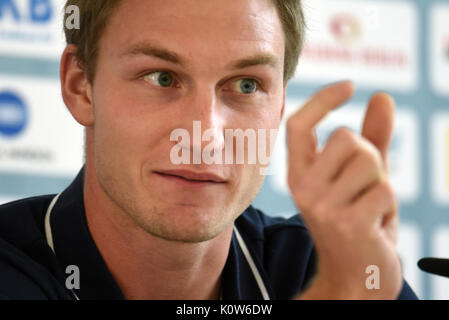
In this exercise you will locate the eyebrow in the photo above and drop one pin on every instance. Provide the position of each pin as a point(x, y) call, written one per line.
point(258, 59)
point(148, 49)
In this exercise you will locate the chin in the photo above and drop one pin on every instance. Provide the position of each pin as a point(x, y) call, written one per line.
point(186, 223)
point(188, 234)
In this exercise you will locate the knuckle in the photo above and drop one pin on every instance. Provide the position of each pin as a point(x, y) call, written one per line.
point(368, 158)
point(346, 137)
point(372, 157)
point(343, 134)
point(387, 191)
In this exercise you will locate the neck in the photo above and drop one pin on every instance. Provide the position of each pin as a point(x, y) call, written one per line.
point(149, 267)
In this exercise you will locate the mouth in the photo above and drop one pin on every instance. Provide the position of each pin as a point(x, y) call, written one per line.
point(191, 178)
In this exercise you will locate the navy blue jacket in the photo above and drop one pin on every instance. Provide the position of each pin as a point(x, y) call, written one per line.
point(281, 250)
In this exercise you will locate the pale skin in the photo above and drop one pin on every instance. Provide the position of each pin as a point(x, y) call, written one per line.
point(162, 239)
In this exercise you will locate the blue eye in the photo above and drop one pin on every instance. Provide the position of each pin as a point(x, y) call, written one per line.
point(246, 86)
point(160, 78)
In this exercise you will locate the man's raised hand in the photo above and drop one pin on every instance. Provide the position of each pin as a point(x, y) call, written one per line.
point(345, 197)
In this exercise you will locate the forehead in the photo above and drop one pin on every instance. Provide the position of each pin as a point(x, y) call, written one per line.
point(197, 28)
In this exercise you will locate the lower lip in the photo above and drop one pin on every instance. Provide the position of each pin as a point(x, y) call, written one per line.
point(188, 183)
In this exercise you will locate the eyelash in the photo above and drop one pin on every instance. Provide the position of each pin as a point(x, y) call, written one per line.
point(176, 82)
point(259, 87)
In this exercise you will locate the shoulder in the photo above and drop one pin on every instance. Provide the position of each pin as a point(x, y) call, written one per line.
point(26, 262)
point(283, 248)
point(22, 221)
point(24, 278)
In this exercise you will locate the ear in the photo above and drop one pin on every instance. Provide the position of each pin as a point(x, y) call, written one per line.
point(76, 89)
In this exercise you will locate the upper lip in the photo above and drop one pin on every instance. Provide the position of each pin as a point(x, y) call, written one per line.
point(193, 175)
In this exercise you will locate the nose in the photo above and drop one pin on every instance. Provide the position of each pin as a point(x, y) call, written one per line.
point(205, 120)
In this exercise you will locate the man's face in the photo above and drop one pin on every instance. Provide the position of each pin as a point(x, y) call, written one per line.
point(161, 66)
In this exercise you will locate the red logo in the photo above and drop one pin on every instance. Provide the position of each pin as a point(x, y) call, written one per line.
point(345, 28)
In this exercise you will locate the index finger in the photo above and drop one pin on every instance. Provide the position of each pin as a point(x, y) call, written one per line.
point(301, 140)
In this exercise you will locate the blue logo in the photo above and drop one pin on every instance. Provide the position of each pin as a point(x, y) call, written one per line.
point(13, 114)
point(36, 11)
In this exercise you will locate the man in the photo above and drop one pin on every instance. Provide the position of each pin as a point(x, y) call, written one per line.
point(138, 226)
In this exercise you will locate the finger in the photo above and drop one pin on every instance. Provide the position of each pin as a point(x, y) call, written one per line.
point(379, 123)
point(375, 206)
point(363, 170)
point(301, 140)
point(339, 149)
point(322, 102)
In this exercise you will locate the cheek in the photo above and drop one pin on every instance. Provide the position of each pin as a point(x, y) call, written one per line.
point(249, 184)
point(265, 111)
point(268, 120)
point(119, 115)
point(118, 131)
point(273, 111)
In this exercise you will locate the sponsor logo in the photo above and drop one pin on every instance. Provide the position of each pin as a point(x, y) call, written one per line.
point(34, 11)
point(36, 129)
point(345, 28)
point(17, 19)
point(13, 114)
point(362, 41)
point(33, 27)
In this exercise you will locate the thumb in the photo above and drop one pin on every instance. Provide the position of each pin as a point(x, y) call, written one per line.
point(379, 123)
